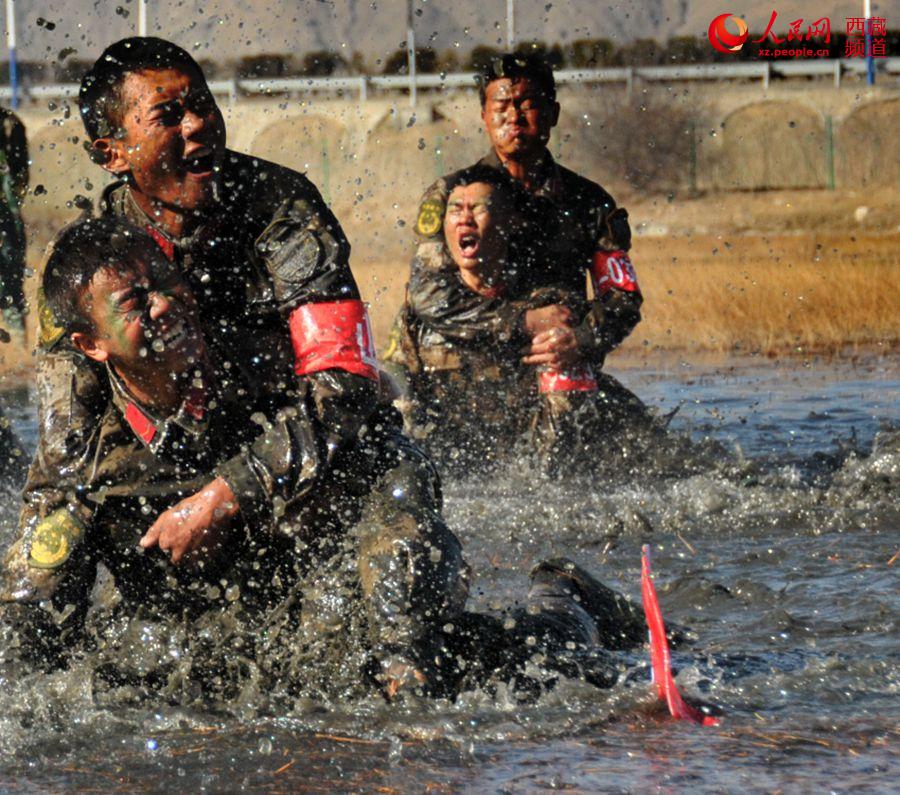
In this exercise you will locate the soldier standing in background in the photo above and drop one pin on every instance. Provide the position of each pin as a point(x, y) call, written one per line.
point(13, 185)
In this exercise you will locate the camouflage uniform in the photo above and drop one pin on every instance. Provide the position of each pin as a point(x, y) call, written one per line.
point(13, 185)
point(470, 400)
point(321, 441)
point(569, 219)
point(141, 462)
point(457, 347)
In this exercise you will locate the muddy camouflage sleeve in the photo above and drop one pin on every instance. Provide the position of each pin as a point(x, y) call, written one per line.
point(284, 464)
point(307, 258)
point(52, 522)
point(48, 571)
point(615, 314)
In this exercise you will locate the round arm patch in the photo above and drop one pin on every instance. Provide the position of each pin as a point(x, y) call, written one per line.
point(53, 540)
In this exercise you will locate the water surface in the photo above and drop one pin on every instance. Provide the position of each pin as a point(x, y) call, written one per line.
point(785, 567)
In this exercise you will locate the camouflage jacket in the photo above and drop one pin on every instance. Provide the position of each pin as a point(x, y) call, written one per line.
point(469, 398)
point(270, 248)
point(569, 219)
point(137, 463)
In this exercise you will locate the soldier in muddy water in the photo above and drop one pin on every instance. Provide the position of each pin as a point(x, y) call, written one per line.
point(310, 572)
point(562, 232)
point(267, 264)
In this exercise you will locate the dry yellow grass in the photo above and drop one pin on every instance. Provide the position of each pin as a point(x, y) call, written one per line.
point(769, 294)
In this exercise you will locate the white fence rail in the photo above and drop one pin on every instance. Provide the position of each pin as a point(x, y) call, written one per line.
point(363, 86)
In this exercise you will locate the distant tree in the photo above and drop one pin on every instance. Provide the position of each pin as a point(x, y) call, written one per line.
point(481, 56)
point(553, 55)
point(358, 63)
point(686, 49)
point(396, 62)
point(322, 63)
point(448, 61)
point(71, 70)
point(641, 52)
point(29, 72)
point(263, 66)
point(211, 69)
point(589, 53)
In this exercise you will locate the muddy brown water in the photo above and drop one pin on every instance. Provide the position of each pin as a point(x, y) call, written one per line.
point(785, 568)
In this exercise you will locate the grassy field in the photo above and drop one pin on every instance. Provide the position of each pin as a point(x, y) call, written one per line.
point(769, 295)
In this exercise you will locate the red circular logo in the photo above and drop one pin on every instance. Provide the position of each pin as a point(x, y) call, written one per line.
point(723, 39)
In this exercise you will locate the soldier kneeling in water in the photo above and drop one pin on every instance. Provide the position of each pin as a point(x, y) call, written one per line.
point(180, 412)
point(471, 394)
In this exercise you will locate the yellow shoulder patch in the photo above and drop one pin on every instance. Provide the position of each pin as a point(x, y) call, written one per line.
point(50, 332)
point(53, 540)
point(431, 217)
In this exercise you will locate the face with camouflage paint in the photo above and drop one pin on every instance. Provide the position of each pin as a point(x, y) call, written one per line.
point(143, 317)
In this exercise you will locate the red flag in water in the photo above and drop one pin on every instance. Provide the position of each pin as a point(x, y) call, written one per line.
point(659, 652)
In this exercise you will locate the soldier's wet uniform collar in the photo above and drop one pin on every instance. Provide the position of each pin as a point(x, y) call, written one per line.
point(550, 178)
point(154, 431)
point(134, 213)
point(119, 197)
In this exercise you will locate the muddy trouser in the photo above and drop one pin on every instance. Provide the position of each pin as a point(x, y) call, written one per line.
point(570, 624)
point(523, 650)
point(405, 564)
point(573, 428)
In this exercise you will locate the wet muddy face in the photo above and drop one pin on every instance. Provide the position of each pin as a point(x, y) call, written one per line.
point(473, 227)
point(173, 137)
point(144, 316)
point(518, 118)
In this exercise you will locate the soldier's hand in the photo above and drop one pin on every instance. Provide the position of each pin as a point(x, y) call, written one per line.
point(557, 348)
point(194, 522)
point(546, 318)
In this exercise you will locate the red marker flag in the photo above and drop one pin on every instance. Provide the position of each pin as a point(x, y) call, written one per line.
point(659, 652)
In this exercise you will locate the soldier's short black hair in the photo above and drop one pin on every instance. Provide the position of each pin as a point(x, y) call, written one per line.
point(480, 173)
point(518, 66)
point(79, 252)
point(509, 189)
point(100, 96)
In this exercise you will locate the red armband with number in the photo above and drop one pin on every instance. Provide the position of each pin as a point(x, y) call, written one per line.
point(573, 379)
point(333, 336)
point(613, 270)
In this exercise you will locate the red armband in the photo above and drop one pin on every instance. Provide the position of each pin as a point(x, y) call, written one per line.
point(613, 270)
point(333, 336)
point(574, 379)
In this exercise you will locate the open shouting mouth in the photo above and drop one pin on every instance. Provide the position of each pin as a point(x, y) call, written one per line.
point(201, 162)
point(469, 244)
